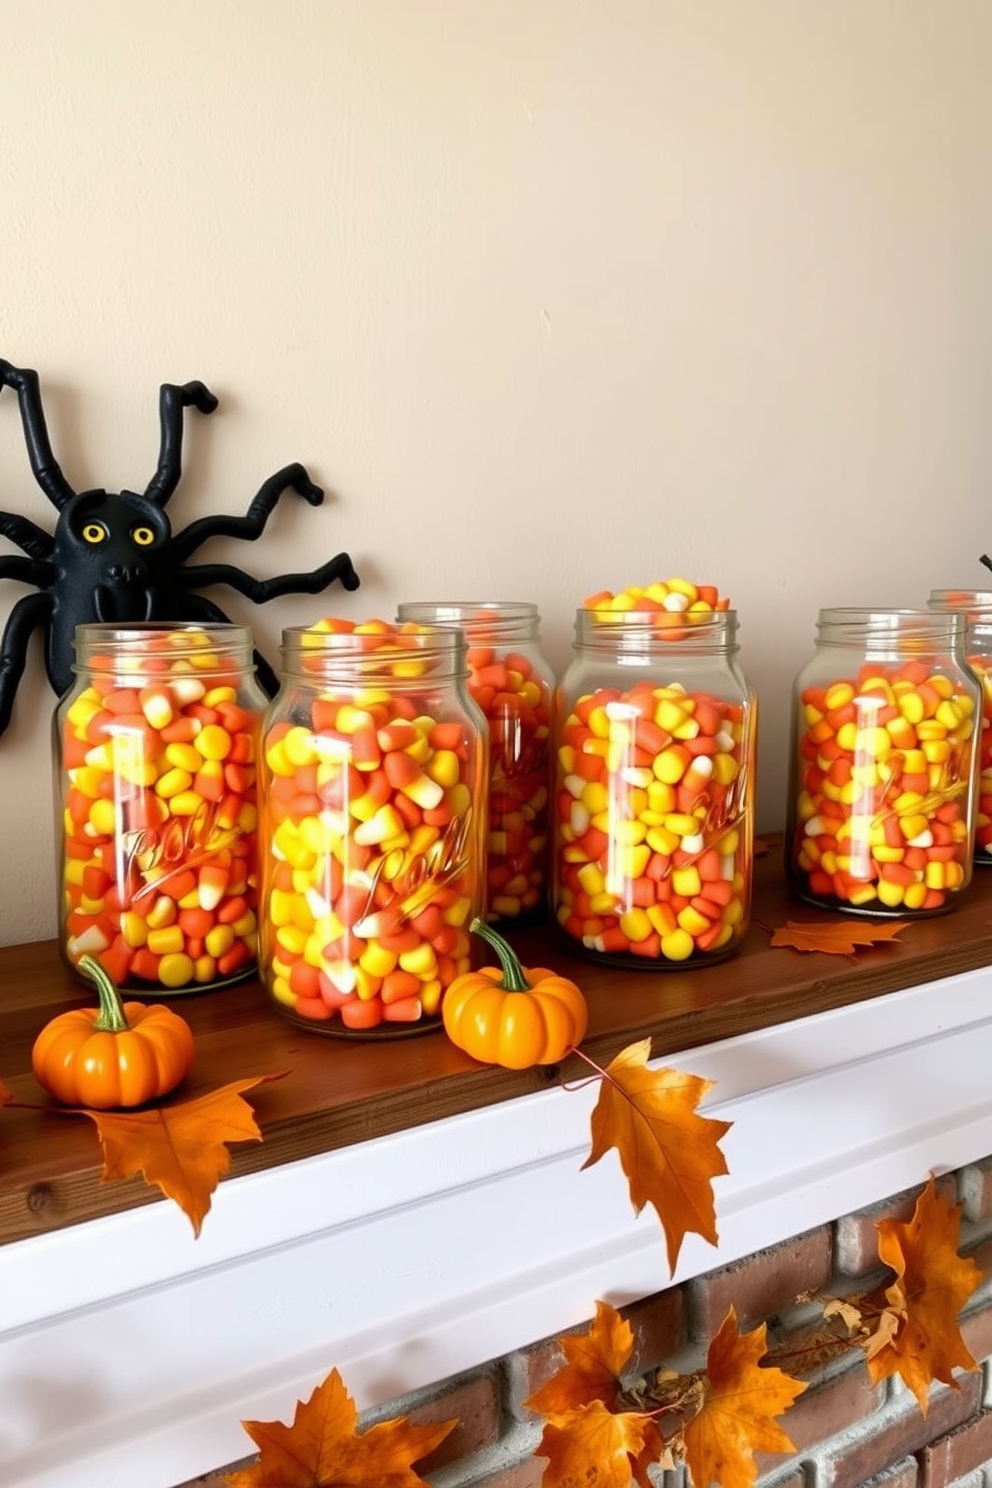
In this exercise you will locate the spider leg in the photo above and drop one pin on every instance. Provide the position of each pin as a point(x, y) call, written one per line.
point(252, 525)
point(200, 608)
point(260, 591)
point(172, 400)
point(28, 613)
point(28, 570)
point(28, 536)
point(44, 466)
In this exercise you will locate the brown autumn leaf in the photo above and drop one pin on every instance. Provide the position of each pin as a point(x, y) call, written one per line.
point(668, 1152)
point(592, 1444)
point(835, 937)
point(323, 1449)
point(932, 1285)
point(585, 1424)
point(740, 1402)
point(180, 1148)
point(594, 1363)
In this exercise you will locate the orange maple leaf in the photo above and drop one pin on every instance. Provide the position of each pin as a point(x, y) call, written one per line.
point(592, 1444)
point(932, 1285)
point(180, 1148)
point(322, 1448)
point(668, 1152)
point(594, 1362)
point(835, 937)
point(740, 1401)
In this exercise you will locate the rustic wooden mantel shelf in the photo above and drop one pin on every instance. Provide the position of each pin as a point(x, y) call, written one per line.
point(336, 1092)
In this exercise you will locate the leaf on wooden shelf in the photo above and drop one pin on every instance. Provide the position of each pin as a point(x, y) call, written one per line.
point(668, 1152)
point(839, 937)
point(323, 1448)
point(181, 1149)
point(921, 1338)
point(741, 1398)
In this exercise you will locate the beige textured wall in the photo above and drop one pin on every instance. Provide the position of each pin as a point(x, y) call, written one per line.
point(551, 295)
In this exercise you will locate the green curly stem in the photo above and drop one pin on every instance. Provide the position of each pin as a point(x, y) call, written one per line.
point(513, 976)
point(110, 1018)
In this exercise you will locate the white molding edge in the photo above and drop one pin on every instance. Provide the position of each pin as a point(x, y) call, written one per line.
point(130, 1352)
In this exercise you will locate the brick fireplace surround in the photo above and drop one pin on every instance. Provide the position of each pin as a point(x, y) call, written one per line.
point(846, 1432)
point(425, 1225)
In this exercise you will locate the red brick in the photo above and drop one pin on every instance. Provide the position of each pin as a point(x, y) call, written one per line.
point(795, 1479)
point(856, 1235)
point(976, 1190)
point(659, 1329)
point(475, 1404)
point(530, 1368)
point(976, 1330)
point(761, 1284)
point(527, 1474)
point(825, 1409)
point(904, 1474)
point(959, 1452)
point(907, 1433)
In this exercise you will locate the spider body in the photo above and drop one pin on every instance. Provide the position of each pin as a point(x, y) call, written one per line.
point(113, 555)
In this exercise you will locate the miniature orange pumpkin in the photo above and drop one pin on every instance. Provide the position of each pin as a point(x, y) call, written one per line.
point(510, 1016)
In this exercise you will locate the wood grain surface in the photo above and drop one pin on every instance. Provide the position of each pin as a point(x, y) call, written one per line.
point(338, 1091)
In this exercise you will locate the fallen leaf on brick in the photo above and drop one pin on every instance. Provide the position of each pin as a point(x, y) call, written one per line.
point(323, 1448)
point(668, 1152)
point(587, 1428)
point(740, 1402)
point(835, 937)
point(593, 1445)
point(593, 1364)
point(932, 1284)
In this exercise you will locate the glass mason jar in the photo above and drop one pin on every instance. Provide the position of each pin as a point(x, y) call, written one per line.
point(654, 790)
point(883, 768)
point(976, 605)
point(372, 837)
point(154, 750)
point(513, 685)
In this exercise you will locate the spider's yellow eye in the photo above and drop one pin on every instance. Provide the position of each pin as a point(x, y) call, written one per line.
point(94, 532)
point(143, 536)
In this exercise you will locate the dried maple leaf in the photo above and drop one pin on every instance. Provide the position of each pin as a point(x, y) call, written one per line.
point(740, 1402)
point(668, 1152)
point(932, 1285)
point(181, 1148)
point(593, 1445)
point(323, 1449)
point(586, 1424)
point(594, 1362)
point(835, 937)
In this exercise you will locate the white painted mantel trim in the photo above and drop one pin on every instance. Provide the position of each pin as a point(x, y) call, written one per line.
point(130, 1352)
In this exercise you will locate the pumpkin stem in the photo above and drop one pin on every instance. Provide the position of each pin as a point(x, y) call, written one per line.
point(111, 1017)
point(513, 976)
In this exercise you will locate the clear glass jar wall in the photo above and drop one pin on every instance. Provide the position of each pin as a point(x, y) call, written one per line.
point(155, 755)
point(654, 790)
point(372, 836)
point(883, 769)
point(513, 685)
point(976, 606)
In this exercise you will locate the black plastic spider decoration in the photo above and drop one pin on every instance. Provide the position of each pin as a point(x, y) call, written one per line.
point(114, 557)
